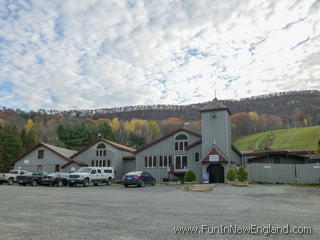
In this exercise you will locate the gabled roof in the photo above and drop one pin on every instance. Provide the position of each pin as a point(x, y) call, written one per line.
point(116, 145)
point(214, 151)
point(215, 105)
point(62, 152)
point(168, 135)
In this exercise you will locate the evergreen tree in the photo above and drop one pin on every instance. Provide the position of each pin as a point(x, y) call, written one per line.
point(10, 146)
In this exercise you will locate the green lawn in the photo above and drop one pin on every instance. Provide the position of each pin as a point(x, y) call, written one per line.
point(295, 138)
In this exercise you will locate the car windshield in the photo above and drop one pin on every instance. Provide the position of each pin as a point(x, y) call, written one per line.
point(133, 174)
point(13, 172)
point(84, 170)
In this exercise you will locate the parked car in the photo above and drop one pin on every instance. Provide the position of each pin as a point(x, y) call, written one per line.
point(10, 177)
point(31, 178)
point(95, 175)
point(139, 178)
point(55, 179)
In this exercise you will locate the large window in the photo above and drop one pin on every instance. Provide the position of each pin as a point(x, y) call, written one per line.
point(181, 142)
point(165, 161)
point(40, 154)
point(150, 161)
point(101, 150)
point(181, 162)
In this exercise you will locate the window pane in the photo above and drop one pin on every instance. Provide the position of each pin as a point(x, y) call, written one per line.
point(160, 161)
point(178, 162)
point(196, 157)
point(185, 145)
point(181, 137)
point(150, 162)
point(97, 153)
point(92, 163)
point(145, 162)
point(181, 146)
point(97, 163)
point(104, 163)
point(184, 162)
point(109, 163)
point(104, 152)
point(165, 162)
point(40, 154)
point(154, 161)
point(176, 146)
point(170, 161)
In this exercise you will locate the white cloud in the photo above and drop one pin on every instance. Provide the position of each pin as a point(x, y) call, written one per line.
point(94, 54)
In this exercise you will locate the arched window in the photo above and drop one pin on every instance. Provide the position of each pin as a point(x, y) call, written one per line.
point(101, 150)
point(180, 142)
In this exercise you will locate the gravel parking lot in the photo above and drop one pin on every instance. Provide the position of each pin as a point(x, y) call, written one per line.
point(114, 212)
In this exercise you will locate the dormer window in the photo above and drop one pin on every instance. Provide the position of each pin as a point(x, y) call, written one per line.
point(101, 150)
point(180, 142)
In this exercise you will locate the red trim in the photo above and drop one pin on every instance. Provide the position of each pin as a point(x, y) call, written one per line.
point(166, 136)
point(212, 152)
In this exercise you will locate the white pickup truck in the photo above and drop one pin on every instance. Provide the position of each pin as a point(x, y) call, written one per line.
point(95, 175)
point(11, 177)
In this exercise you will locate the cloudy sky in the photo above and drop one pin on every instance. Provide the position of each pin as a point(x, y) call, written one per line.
point(75, 54)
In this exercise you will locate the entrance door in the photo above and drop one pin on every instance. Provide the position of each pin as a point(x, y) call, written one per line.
point(216, 173)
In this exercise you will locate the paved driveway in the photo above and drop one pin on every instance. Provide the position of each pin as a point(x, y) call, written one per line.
point(113, 212)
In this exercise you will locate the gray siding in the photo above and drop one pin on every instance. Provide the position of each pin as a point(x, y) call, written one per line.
point(284, 173)
point(128, 166)
point(49, 161)
point(195, 166)
point(216, 130)
point(166, 147)
point(235, 158)
point(113, 154)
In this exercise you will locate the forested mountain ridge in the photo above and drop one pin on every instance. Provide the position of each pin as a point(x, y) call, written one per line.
point(283, 104)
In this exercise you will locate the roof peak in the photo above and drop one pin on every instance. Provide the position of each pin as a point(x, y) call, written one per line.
point(215, 105)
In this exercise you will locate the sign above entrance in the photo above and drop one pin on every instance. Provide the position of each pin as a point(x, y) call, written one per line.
point(214, 158)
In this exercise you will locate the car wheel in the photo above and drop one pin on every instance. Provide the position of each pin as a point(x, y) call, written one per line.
point(86, 183)
point(153, 183)
point(34, 183)
point(60, 183)
point(109, 181)
point(10, 181)
point(125, 185)
point(141, 184)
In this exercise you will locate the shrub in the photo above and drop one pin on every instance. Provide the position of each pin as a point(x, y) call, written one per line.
point(190, 176)
point(242, 174)
point(231, 174)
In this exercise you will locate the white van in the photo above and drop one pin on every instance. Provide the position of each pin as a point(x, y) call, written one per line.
point(95, 175)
